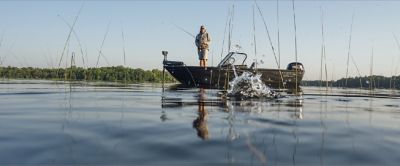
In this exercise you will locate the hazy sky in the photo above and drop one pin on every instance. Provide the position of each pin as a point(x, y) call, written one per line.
point(33, 33)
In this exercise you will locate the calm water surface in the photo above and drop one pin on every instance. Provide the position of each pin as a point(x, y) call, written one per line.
point(49, 123)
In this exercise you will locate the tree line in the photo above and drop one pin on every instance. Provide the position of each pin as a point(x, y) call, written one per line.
point(366, 82)
point(111, 74)
point(131, 75)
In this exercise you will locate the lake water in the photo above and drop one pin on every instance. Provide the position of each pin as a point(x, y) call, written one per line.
point(56, 123)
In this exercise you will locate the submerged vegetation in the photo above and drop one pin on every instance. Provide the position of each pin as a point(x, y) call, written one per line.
point(111, 74)
point(366, 82)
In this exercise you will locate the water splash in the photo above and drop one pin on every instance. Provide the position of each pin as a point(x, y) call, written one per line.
point(249, 85)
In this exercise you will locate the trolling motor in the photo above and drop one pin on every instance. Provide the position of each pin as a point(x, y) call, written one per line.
point(165, 53)
point(170, 63)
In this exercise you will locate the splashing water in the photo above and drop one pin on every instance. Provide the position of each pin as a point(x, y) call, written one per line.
point(249, 85)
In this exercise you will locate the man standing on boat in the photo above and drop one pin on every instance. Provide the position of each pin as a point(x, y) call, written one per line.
point(203, 41)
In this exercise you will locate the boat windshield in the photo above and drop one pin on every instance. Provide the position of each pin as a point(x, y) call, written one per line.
point(233, 58)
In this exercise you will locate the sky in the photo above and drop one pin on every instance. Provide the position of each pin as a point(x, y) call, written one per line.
point(35, 33)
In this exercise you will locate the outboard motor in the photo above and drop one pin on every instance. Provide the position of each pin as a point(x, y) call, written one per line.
point(295, 65)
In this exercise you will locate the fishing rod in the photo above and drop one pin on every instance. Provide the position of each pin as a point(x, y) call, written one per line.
point(67, 40)
point(350, 56)
point(229, 31)
point(269, 36)
point(295, 38)
point(123, 45)
point(270, 41)
point(277, 27)
point(50, 57)
point(123, 49)
point(348, 52)
point(332, 75)
point(68, 37)
point(223, 44)
point(102, 44)
point(358, 71)
point(190, 34)
point(45, 55)
point(391, 74)
point(1, 41)
point(398, 47)
point(185, 31)
point(295, 30)
point(323, 51)
point(223, 40)
point(9, 51)
point(76, 37)
point(254, 38)
point(229, 43)
point(371, 78)
point(18, 60)
point(105, 58)
point(2, 38)
point(231, 25)
point(66, 61)
point(320, 72)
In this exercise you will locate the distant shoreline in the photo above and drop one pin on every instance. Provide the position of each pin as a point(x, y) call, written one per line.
point(118, 74)
point(366, 82)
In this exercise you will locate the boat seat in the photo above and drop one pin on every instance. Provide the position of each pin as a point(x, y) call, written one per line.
point(241, 66)
point(173, 63)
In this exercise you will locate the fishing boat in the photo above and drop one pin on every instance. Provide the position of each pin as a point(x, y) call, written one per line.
point(234, 63)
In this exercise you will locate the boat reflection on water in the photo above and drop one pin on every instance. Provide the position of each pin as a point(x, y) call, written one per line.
point(204, 99)
point(200, 123)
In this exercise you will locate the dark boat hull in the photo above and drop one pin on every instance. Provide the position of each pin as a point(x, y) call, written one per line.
point(219, 77)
